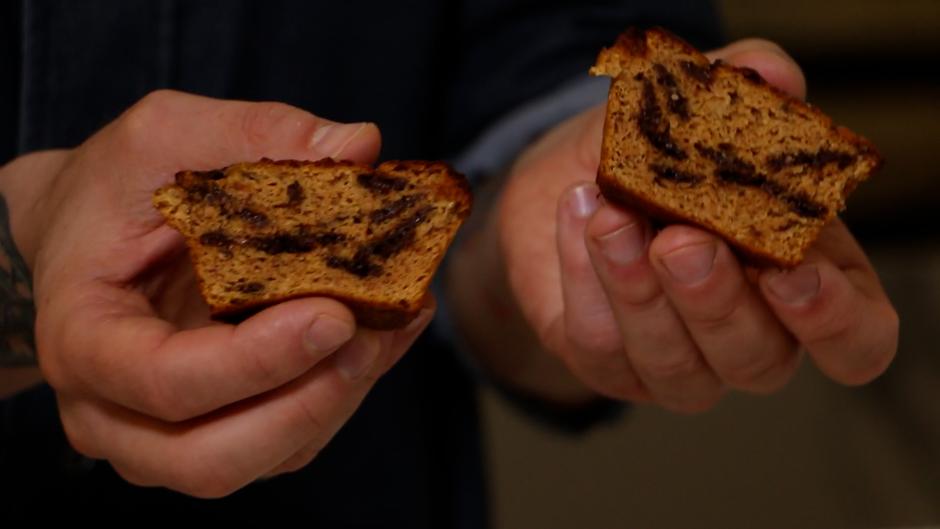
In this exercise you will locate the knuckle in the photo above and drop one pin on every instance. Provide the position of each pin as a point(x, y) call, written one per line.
point(754, 373)
point(261, 121)
point(721, 318)
point(830, 327)
point(264, 369)
point(196, 477)
point(299, 460)
point(137, 122)
point(624, 388)
point(875, 360)
point(598, 341)
point(129, 475)
point(159, 400)
point(717, 310)
point(307, 417)
point(78, 437)
point(672, 367)
point(860, 356)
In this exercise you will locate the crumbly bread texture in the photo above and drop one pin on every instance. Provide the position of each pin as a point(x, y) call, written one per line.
point(261, 233)
point(715, 145)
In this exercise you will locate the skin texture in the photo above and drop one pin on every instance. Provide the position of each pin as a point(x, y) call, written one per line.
point(143, 378)
point(612, 307)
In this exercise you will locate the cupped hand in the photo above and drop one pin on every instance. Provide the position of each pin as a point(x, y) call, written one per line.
point(143, 378)
point(672, 316)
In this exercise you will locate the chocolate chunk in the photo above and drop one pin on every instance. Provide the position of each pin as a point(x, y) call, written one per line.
point(253, 218)
point(400, 237)
point(702, 74)
point(665, 173)
point(815, 160)
point(215, 238)
point(216, 196)
point(359, 265)
point(730, 168)
point(774, 188)
point(675, 101)
point(734, 170)
point(283, 243)
point(329, 238)
point(654, 127)
point(752, 75)
point(381, 184)
point(213, 175)
point(249, 288)
point(804, 206)
point(295, 195)
point(393, 209)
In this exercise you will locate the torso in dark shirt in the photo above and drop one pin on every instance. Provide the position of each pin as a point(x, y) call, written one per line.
point(432, 74)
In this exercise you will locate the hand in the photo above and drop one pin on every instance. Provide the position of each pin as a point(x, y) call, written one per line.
point(143, 378)
point(673, 317)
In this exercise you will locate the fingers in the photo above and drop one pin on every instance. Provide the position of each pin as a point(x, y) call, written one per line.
point(595, 351)
point(215, 455)
point(835, 306)
point(738, 335)
point(124, 354)
point(769, 59)
point(654, 337)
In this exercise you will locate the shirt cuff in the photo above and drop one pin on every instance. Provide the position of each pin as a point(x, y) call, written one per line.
point(499, 145)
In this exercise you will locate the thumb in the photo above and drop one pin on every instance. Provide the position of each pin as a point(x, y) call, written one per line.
point(168, 131)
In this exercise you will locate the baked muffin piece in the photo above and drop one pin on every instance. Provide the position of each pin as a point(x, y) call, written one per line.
point(716, 146)
point(261, 233)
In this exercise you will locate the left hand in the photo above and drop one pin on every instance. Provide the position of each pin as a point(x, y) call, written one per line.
point(674, 317)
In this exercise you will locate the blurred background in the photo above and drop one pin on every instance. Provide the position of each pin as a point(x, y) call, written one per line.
point(817, 454)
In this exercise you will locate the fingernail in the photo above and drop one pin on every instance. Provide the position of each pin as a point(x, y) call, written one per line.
point(690, 264)
point(582, 201)
point(623, 245)
point(358, 357)
point(327, 334)
point(796, 286)
point(332, 139)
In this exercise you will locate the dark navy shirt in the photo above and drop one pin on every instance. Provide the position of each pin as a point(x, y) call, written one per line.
point(432, 74)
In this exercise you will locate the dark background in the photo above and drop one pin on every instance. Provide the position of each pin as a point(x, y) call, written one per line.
point(817, 454)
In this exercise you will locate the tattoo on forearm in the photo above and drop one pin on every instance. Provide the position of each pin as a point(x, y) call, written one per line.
point(18, 314)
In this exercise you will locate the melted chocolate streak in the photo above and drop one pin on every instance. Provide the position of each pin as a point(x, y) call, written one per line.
point(729, 168)
point(734, 170)
point(674, 175)
point(302, 240)
point(653, 126)
point(675, 102)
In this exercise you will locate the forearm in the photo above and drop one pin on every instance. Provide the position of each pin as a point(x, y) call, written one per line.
point(20, 189)
point(17, 347)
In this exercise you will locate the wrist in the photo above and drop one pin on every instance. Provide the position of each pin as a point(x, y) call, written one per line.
point(25, 185)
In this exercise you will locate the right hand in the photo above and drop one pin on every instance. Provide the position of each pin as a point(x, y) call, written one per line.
point(143, 378)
